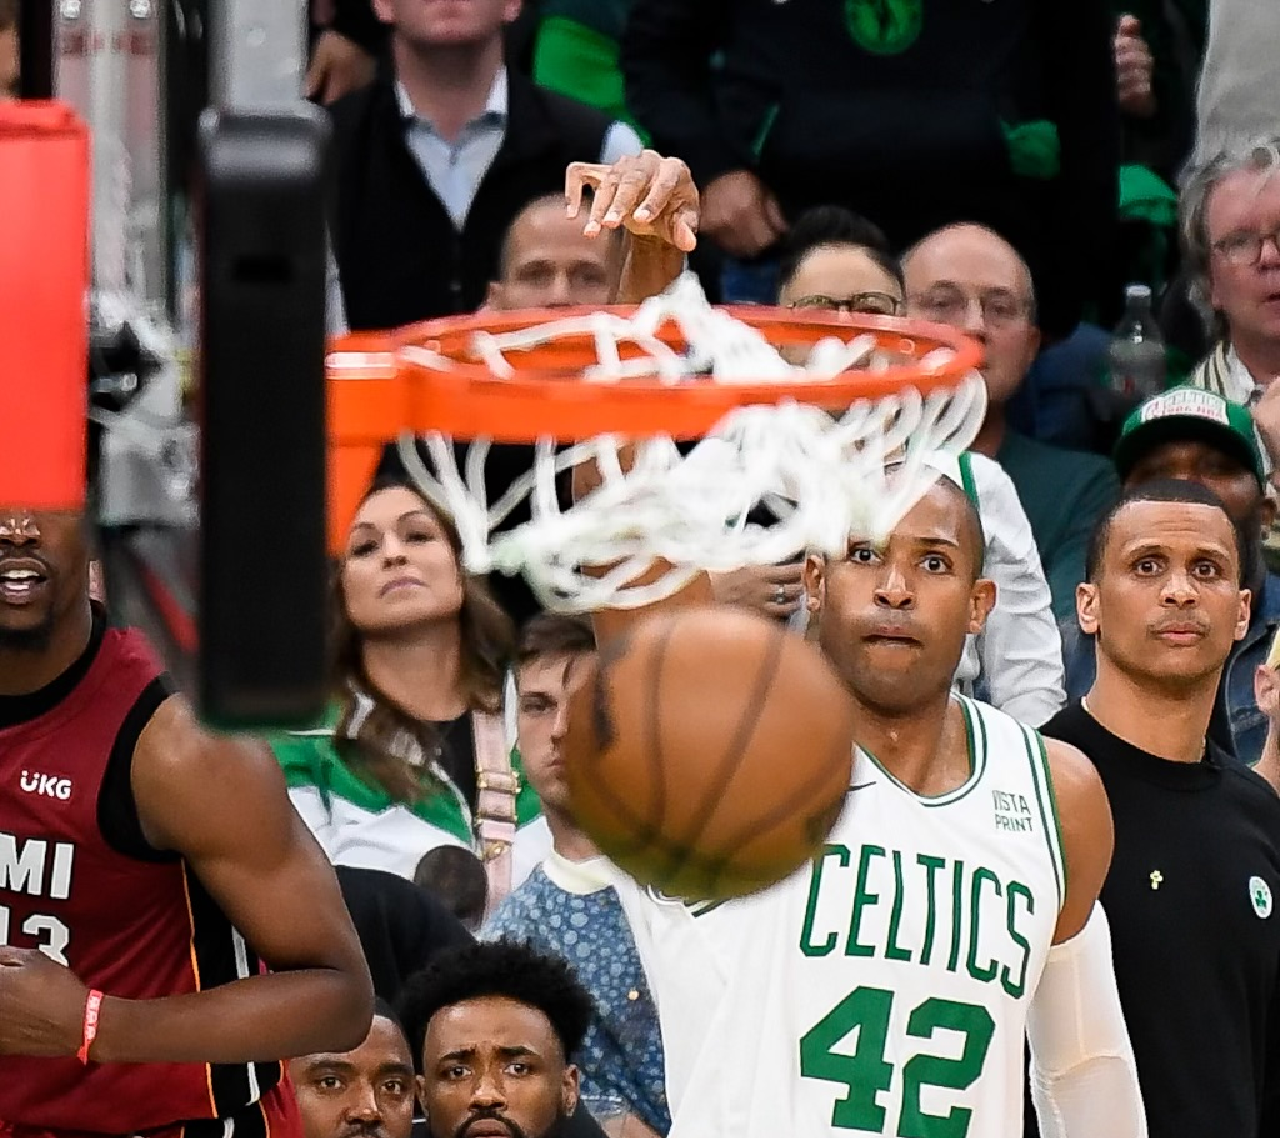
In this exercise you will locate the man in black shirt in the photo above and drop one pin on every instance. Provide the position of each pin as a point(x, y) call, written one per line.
point(778, 107)
point(1194, 886)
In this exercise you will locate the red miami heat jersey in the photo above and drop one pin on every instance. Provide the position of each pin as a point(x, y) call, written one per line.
point(79, 882)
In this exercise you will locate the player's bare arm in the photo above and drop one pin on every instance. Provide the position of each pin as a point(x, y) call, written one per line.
point(654, 200)
point(1088, 836)
point(221, 804)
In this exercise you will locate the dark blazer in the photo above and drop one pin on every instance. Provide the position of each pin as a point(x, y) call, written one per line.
point(399, 255)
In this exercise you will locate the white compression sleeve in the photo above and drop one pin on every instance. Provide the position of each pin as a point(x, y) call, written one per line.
point(1083, 1078)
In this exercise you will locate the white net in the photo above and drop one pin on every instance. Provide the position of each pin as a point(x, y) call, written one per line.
point(822, 477)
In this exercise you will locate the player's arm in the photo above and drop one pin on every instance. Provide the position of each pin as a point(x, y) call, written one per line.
point(221, 803)
point(1088, 835)
point(1083, 1077)
point(654, 200)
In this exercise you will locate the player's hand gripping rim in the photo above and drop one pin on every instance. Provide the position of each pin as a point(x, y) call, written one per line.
point(646, 194)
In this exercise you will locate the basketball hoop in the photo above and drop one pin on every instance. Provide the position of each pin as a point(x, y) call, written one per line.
point(811, 441)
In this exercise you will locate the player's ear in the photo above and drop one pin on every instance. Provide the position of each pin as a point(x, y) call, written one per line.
point(569, 1089)
point(815, 582)
point(420, 1083)
point(1242, 620)
point(1087, 608)
point(981, 601)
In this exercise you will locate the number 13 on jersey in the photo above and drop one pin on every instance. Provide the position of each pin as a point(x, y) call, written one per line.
point(865, 1014)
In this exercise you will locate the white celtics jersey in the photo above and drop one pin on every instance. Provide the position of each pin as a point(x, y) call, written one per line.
point(884, 988)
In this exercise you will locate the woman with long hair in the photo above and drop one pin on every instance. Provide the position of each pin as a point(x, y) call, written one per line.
point(417, 752)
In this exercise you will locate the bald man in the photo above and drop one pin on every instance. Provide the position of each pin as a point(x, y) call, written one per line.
point(618, 235)
point(547, 261)
point(971, 278)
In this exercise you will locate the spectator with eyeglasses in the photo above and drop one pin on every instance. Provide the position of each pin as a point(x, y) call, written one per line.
point(971, 278)
point(837, 261)
point(1231, 240)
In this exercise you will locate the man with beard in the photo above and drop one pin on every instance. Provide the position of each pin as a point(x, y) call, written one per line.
point(491, 1027)
point(365, 1093)
point(888, 986)
point(566, 906)
point(150, 874)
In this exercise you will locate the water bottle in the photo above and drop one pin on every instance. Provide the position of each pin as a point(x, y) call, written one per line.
point(1135, 358)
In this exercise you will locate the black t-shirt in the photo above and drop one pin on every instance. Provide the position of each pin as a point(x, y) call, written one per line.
point(400, 926)
point(455, 752)
point(1193, 900)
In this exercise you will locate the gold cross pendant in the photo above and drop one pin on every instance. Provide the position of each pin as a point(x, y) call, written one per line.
point(1156, 878)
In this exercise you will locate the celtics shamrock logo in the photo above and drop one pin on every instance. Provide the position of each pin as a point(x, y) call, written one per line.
point(884, 27)
point(1260, 895)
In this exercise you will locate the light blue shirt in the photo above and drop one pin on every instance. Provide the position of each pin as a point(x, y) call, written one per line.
point(454, 170)
point(569, 909)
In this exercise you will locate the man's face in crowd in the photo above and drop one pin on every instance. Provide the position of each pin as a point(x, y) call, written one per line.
point(1166, 604)
point(365, 1093)
point(845, 278)
point(551, 263)
point(1192, 460)
point(970, 278)
point(446, 23)
point(545, 685)
point(1245, 205)
point(494, 1068)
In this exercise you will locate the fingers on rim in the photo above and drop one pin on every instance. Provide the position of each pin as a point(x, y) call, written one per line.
point(686, 230)
point(665, 183)
point(577, 177)
point(606, 194)
point(630, 189)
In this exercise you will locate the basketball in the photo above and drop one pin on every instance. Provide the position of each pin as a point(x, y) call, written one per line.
point(708, 752)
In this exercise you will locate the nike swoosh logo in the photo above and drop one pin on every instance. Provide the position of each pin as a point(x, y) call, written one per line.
point(860, 786)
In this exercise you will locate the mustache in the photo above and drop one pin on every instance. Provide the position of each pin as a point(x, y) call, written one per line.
point(1181, 624)
point(26, 555)
point(513, 1128)
point(363, 1130)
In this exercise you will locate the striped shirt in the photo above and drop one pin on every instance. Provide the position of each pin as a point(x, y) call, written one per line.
point(1222, 371)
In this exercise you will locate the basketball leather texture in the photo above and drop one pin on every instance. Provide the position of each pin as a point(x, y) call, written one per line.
point(708, 752)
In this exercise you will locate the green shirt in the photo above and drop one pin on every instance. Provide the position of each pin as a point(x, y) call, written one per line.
point(576, 49)
point(358, 823)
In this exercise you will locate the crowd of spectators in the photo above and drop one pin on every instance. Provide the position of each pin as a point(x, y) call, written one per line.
point(1005, 168)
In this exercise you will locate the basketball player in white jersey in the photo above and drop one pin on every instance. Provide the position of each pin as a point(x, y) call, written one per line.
point(887, 988)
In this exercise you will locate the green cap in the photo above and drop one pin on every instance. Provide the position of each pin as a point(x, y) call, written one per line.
point(1184, 414)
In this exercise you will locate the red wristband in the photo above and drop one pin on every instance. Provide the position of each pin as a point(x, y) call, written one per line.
point(92, 1010)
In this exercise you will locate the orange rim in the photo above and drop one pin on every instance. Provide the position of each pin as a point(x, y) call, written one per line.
point(377, 391)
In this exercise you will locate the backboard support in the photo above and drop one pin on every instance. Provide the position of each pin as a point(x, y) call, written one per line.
point(207, 341)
